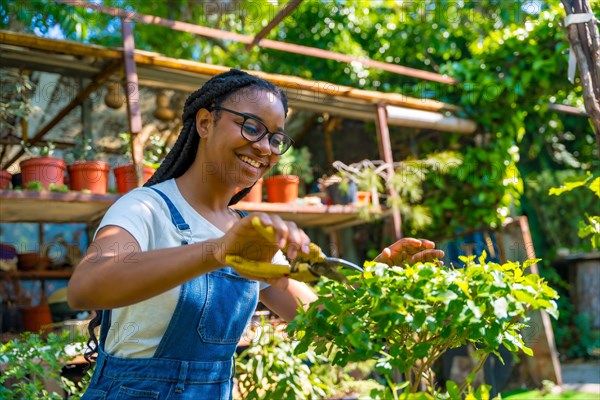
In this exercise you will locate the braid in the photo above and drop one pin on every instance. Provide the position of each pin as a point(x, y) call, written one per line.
point(240, 195)
point(214, 92)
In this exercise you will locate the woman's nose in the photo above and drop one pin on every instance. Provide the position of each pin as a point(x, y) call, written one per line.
point(263, 145)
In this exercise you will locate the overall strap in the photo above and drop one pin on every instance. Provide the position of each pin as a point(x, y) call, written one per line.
point(176, 218)
point(241, 213)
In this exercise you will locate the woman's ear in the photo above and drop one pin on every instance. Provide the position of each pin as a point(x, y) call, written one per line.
point(203, 121)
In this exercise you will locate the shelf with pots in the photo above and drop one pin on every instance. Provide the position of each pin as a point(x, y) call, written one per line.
point(53, 207)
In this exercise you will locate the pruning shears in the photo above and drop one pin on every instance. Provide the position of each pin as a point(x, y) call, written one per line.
point(305, 268)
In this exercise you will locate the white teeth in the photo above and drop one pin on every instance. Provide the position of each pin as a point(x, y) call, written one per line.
point(250, 161)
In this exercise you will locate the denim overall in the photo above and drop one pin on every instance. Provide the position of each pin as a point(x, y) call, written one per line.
point(194, 359)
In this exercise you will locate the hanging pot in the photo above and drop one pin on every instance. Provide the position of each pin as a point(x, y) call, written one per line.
point(163, 112)
point(114, 97)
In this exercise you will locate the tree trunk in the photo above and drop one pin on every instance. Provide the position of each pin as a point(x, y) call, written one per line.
point(585, 43)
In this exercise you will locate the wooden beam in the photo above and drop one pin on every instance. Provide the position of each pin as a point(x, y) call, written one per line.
point(568, 110)
point(270, 44)
point(134, 116)
point(111, 68)
point(317, 92)
point(284, 12)
point(385, 149)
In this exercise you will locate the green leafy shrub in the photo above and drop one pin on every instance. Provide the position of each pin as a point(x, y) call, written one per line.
point(268, 369)
point(407, 317)
point(590, 226)
point(33, 359)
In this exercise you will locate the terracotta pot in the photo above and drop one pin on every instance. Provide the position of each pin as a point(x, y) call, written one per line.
point(89, 175)
point(282, 188)
point(255, 195)
point(127, 179)
point(46, 170)
point(364, 198)
point(36, 318)
point(32, 261)
point(5, 179)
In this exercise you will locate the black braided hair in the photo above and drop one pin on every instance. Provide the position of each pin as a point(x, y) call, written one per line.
point(213, 93)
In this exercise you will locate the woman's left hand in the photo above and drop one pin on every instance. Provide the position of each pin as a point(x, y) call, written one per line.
point(409, 250)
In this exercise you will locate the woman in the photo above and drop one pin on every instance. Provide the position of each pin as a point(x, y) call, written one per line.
point(157, 262)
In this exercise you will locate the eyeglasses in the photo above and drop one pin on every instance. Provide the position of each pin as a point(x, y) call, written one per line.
point(253, 130)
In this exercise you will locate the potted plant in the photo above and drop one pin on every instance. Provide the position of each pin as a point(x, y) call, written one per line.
point(86, 173)
point(401, 184)
point(339, 187)
point(125, 175)
point(283, 181)
point(42, 167)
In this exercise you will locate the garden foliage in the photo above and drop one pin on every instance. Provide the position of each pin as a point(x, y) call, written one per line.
point(407, 317)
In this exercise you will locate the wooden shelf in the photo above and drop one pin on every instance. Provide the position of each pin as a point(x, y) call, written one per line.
point(37, 275)
point(312, 216)
point(52, 207)
point(56, 207)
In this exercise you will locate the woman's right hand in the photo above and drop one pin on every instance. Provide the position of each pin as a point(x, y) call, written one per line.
point(244, 240)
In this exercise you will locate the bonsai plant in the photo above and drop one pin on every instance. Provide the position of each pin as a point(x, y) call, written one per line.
point(408, 316)
point(283, 181)
point(86, 173)
point(42, 167)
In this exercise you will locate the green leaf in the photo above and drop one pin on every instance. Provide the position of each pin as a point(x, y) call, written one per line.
point(569, 184)
point(595, 187)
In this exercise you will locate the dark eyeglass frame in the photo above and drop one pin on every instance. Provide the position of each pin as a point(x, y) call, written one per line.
point(286, 138)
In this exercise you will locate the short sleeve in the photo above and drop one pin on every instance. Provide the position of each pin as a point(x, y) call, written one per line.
point(135, 212)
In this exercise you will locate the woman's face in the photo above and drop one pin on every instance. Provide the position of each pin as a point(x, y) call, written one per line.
point(242, 162)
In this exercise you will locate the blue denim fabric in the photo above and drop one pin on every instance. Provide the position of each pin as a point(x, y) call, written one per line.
point(194, 359)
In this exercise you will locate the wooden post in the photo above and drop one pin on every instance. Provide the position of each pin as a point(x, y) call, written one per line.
point(385, 149)
point(585, 43)
point(133, 99)
point(515, 244)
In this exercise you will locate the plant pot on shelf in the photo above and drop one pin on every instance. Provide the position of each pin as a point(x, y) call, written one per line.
point(32, 261)
point(89, 175)
point(36, 318)
point(127, 179)
point(255, 194)
point(5, 179)
point(45, 170)
point(363, 198)
point(282, 188)
point(338, 194)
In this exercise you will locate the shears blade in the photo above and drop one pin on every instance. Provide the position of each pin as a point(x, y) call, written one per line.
point(331, 266)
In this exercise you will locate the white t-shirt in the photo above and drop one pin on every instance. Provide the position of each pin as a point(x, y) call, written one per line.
point(136, 330)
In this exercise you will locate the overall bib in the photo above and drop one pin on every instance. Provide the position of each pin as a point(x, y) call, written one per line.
point(194, 359)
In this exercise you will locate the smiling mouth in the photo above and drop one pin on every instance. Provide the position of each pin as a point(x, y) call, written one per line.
point(251, 162)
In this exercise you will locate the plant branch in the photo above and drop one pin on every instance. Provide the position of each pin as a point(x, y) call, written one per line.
point(469, 379)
